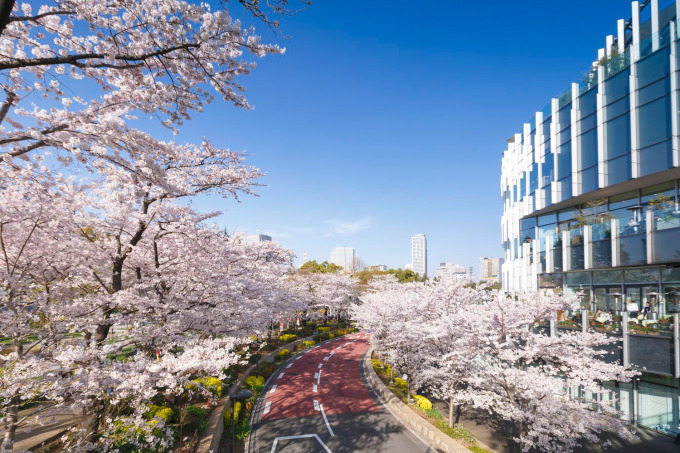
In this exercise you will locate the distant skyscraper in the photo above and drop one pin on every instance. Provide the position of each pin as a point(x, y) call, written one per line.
point(449, 272)
point(344, 256)
point(419, 254)
point(490, 269)
point(252, 238)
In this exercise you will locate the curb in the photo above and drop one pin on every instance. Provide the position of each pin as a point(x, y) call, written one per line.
point(436, 440)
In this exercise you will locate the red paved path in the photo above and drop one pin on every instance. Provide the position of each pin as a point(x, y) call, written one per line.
point(339, 389)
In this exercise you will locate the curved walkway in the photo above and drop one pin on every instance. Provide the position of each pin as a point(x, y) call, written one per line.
point(318, 402)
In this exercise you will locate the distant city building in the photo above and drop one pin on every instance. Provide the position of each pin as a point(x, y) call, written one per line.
point(345, 257)
point(419, 254)
point(408, 267)
point(252, 238)
point(490, 269)
point(449, 272)
point(376, 267)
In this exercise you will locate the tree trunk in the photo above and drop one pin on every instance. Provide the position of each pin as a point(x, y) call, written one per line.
point(11, 423)
point(451, 412)
point(91, 420)
point(5, 12)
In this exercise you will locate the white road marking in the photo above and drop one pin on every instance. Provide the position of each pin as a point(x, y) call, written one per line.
point(280, 376)
point(299, 357)
point(331, 354)
point(302, 436)
point(290, 365)
point(273, 388)
point(318, 378)
point(316, 405)
point(326, 358)
point(326, 420)
point(320, 365)
point(316, 375)
point(267, 407)
point(314, 388)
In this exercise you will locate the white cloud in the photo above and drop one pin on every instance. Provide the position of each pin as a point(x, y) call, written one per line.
point(345, 228)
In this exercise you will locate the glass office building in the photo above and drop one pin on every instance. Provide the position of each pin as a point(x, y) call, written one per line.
point(590, 194)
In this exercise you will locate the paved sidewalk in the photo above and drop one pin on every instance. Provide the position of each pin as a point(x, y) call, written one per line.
point(31, 436)
point(492, 433)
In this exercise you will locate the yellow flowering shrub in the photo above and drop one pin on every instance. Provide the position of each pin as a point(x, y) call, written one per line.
point(423, 402)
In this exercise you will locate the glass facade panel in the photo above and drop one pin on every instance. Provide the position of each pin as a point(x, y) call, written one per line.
point(617, 64)
point(667, 245)
point(547, 169)
point(588, 149)
point(633, 250)
point(618, 170)
point(653, 67)
point(564, 116)
point(655, 158)
point(658, 406)
point(617, 137)
point(607, 277)
point(618, 86)
point(533, 179)
point(576, 248)
point(671, 275)
point(601, 245)
point(547, 219)
point(654, 90)
point(589, 180)
point(551, 281)
point(588, 123)
point(587, 102)
point(617, 108)
point(564, 161)
point(645, 275)
point(654, 122)
point(578, 279)
point(545, 126)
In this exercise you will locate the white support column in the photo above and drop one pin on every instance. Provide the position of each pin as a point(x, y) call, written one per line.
point(539, 147)
point(575, 143)
point(654, 4)
point(621, 35)
point(549, 265)
point(676, 343)
point(615, 242)
point(609, 45)
point(635, 22)
point(566, 256)
point(601, 132)
point(536, 268)
point(649, 226)
point(634, 146)
point(554, 143)
point(624, 331)
point(587, 238)
point(675, 123)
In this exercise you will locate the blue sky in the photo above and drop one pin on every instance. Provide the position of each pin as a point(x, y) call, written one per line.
point(387, 119)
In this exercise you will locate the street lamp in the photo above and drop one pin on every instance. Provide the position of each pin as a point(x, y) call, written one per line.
point(242, 395)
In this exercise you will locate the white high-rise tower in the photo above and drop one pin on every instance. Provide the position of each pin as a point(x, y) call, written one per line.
point(419, 254)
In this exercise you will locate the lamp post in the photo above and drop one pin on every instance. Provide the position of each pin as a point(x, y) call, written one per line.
point(241, 395)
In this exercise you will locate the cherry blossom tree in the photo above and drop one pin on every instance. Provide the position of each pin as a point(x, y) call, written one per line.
point(185, 297)
point(332, 292)
point(101, 254)
point(480, 349)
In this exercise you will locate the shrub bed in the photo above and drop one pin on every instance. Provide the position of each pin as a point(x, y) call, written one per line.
point(425, 409)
